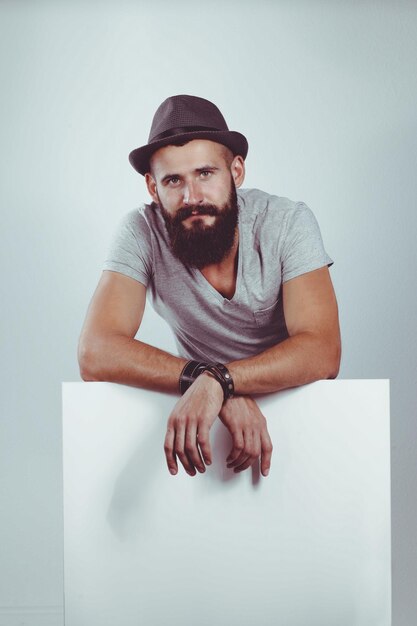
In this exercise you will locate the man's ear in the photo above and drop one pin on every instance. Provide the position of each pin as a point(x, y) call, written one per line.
point(151, 185)
point(237, 169)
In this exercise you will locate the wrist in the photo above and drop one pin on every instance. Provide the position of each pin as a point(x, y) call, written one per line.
point(195, 369)
point(190, 372)
point(212, 382)
point(224, 378)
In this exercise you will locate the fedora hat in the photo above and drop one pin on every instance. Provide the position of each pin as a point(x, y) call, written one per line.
point(183, 118)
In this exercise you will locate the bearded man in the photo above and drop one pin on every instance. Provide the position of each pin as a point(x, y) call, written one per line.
point(240, 275)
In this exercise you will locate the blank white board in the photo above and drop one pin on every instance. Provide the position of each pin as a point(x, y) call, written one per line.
point(307, 546)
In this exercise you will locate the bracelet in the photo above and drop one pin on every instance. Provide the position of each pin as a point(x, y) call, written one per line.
point(190, 371)
point(223, 376)
point(193, 369)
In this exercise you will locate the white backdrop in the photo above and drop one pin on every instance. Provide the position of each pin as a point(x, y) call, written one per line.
point(326, 94)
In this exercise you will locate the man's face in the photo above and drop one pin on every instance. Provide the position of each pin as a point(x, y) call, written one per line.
point(195, 188)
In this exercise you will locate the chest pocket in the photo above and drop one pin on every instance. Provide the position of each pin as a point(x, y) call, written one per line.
point(271, 320)
point(271, 316)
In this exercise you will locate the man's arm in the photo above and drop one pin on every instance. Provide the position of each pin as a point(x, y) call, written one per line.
point(107, 348)
point(312, 351)
point(108, 351)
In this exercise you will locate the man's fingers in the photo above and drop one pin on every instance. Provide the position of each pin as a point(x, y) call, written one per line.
point(204, 443)
point(238, 447)
point(248, 427)
point(247, 452)
point(248, 463)
point(242, 458)
point(190, 442)
point(252, 450)
point(169, 451)
point(179, 448)
point(191, 448)
point(266, 454)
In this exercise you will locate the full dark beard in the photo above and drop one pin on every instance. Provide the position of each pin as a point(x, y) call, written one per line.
point(201, 245)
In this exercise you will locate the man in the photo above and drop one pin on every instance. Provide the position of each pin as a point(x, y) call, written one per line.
point(241, 276)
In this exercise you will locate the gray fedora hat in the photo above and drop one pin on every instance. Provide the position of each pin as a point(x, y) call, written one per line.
point(183, 118)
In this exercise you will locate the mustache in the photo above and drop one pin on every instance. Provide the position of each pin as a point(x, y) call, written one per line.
point(202, 209)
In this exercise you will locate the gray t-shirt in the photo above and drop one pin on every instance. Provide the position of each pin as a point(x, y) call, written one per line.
point(278, 240)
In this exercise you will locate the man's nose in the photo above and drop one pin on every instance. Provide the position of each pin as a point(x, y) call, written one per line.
point(193, 193)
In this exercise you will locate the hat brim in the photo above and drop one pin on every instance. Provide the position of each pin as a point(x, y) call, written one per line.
point(236, 142)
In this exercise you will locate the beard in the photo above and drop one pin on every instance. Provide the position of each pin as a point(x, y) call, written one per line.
point(200, 245)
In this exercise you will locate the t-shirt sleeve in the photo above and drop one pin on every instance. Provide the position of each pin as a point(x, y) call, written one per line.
point(303, 249)
point(130, 252)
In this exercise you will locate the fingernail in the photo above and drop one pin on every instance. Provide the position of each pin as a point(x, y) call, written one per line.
point(173, 471)
point(266, 472)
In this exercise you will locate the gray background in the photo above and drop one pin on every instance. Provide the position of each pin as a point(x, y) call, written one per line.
point(326, 94)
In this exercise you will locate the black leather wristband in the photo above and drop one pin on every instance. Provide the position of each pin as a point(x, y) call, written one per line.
point(190, 371)
point(223, 376)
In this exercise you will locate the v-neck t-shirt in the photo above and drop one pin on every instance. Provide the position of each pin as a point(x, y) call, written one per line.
point(278, 240)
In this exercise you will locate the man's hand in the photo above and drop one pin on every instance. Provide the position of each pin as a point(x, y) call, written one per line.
point(251, 440)
point(189, 425)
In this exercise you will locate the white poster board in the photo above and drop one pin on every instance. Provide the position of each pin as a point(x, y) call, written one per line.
point(307, 546)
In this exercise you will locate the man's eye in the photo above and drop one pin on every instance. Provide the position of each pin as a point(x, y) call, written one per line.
point(173, 180)
point(205, 173)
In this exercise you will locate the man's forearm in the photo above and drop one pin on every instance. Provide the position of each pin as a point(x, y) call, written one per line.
point(128, 361)
point(298, 360)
